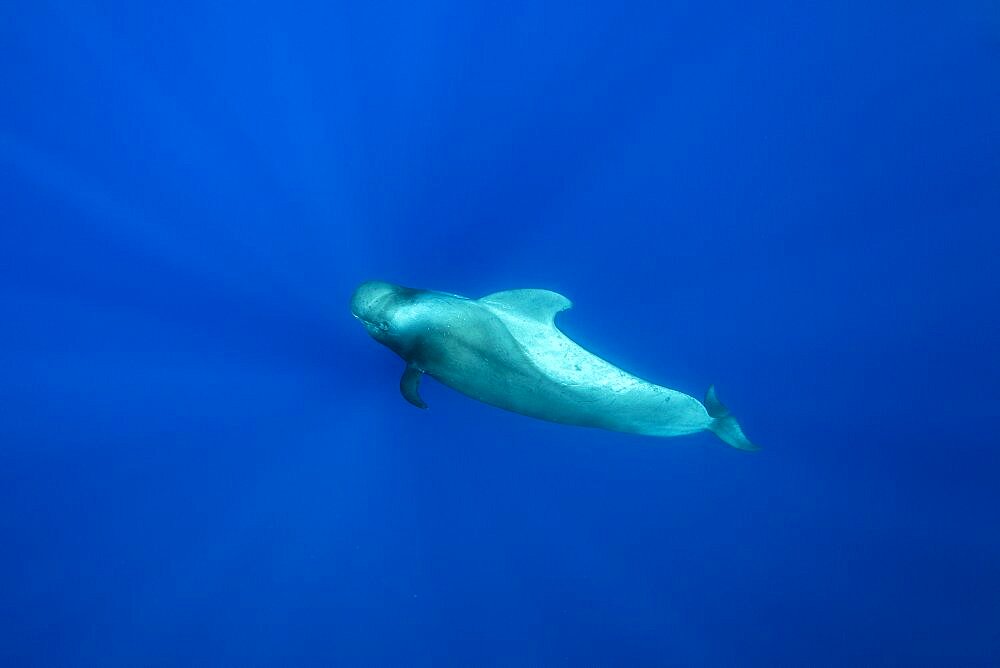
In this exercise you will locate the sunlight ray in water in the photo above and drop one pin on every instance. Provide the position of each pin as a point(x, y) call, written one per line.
point(233, 184)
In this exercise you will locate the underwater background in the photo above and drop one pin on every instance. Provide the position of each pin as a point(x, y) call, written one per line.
point(205, 460)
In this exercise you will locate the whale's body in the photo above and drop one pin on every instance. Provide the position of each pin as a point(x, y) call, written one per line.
point(505, 350)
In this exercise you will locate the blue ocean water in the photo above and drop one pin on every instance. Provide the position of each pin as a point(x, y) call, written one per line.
point(205, 460)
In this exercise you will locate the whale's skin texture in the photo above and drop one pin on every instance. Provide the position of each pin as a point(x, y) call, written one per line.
point(505, 350)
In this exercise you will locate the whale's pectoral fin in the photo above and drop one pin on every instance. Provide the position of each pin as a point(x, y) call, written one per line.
point(540, 305)
point(409, 386)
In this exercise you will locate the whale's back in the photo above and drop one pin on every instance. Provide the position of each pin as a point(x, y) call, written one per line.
point(583, 387)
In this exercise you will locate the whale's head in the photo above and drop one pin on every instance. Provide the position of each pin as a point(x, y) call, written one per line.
point(385, 310)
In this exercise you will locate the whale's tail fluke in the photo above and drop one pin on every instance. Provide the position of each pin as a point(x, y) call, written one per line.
point(725, 425)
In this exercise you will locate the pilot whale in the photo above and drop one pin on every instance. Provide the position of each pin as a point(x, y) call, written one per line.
point(504, 349)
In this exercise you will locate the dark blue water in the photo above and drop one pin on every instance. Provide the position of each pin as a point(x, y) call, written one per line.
point(204, 459)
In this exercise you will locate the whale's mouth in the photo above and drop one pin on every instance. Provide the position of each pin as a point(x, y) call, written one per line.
point(371, 325)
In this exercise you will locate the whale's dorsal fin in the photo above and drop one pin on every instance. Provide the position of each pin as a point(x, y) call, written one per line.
point(539, 305)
